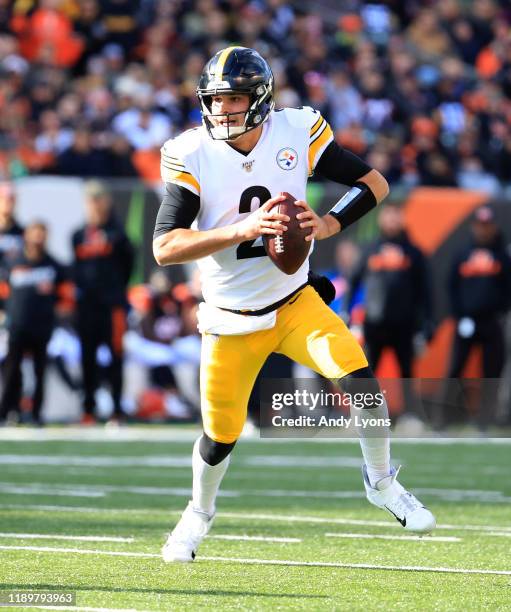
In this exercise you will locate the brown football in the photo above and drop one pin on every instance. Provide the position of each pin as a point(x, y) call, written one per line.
point(289, 251)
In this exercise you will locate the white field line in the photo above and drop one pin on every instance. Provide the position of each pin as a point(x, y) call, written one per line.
point(465, 494)
point(99, 490)
point(96, 461)
point(411, 538)
point(246, 538)
point(77, 490)
point(286, 518)
point(80, 551)
point(170, 434)
point(82, 509)
point(178, 461)
point(403, 568)
point(249, 561)
point(289, 518)
point(49, 490)
point(83, 609)
point(49, 536)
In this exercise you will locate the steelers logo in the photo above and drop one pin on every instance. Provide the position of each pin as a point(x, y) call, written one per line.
point(287, 158)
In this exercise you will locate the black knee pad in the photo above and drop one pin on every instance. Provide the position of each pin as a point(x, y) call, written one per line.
point(214, 452)
point(360, 381)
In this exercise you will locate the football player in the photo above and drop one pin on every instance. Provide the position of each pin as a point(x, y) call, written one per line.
point(221, 182)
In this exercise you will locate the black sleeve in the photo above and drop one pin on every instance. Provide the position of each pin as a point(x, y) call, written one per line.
point(178, 209)
point(341, 166)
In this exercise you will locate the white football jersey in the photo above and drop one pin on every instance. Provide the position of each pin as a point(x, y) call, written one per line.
point(231, 185)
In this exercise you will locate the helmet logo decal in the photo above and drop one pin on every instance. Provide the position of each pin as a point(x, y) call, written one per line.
point(287, 158)
point(222, 58)
point(236, 71)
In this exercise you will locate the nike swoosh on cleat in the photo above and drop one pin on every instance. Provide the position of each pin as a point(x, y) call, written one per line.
point(402, 521)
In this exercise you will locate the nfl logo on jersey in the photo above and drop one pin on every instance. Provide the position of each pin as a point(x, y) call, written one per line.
point(248, 165)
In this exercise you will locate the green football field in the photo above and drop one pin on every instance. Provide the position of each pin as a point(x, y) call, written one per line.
point(89, 514)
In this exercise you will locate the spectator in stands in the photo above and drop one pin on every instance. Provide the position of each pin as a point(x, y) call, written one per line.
point(83, 158)
point(37, 282)
point(141, 126)
point(480, 294)
point(11, 238)
point(53, 137)
point(395, 276)
point(347, 256)
point(103, 262)
point(162, 324)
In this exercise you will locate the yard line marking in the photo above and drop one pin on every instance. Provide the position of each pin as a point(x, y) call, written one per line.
point(410, 568)
point(81, 551)
point(49, 536)
point(403, 568)
point(306, 494)
point(75, 508)
point(84, 609)
point(246, 538)
point(179, 461)
point(99, 434)
point(301, 461)
point(48, 490)
point(96, 461)
point(77, 490)
point(238, 515)
point(479, 495)
point(413, 538)
point(342, 521)
point(99, 490)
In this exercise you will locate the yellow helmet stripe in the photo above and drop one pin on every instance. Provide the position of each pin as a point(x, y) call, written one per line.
point(219, 68)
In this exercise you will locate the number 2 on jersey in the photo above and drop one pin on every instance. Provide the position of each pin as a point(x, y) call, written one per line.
point(246, 250)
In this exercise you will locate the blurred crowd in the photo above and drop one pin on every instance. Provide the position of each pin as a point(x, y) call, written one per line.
point(421, 89)
point(87, 321)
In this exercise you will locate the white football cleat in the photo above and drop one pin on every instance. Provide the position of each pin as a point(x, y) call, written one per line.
point(182, 543)
point(405, 507)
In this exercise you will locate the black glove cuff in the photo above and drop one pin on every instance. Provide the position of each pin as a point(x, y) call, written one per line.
point(323, 286)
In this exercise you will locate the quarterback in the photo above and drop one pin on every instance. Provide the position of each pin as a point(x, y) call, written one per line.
point(222, 181)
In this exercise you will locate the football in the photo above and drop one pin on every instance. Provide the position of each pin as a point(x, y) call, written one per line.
point(289, 251)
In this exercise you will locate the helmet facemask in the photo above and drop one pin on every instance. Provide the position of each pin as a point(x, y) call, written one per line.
point(261, 103)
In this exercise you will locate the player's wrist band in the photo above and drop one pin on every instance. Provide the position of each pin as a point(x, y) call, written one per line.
point(353, 205)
